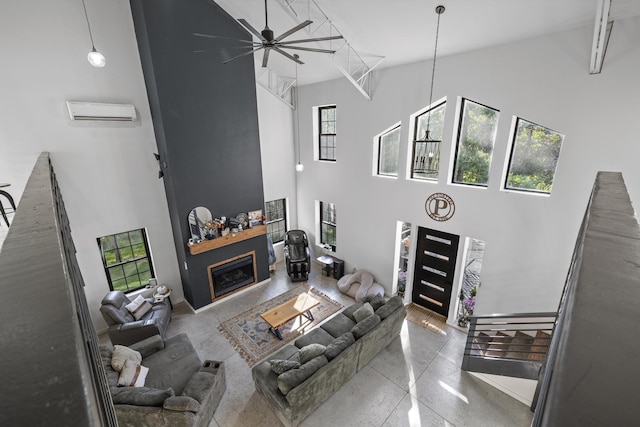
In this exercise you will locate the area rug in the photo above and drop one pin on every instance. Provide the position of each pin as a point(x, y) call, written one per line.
point(250, 335)
point(428, 319)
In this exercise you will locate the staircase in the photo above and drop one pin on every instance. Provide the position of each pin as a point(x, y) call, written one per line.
point(514, 345)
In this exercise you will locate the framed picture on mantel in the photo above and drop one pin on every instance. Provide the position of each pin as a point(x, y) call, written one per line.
point(255, 218)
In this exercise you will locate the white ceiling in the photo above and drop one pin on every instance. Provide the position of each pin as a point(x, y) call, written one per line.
point(403, 31)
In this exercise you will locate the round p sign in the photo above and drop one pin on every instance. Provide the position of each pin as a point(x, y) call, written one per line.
point(440, 207)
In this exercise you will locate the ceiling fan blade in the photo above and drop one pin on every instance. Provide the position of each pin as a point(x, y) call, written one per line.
point(243, 54)
point(294, 29)
point(318, 39)
point(226, 38)
point(253, 30)
point(291, 57)
point(265, 57)
point(223, 48)
point(310, 49)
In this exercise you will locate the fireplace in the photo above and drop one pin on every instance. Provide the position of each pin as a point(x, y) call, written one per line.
point(232, 274)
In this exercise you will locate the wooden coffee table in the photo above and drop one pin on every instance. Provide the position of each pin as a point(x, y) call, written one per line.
point(279, 316)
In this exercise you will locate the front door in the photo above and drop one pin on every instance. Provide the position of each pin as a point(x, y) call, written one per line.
point(435, 265)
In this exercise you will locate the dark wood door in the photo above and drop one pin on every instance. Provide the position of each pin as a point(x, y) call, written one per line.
point(436, 254)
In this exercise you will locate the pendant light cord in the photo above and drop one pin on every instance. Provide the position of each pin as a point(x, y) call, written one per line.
point(439, 11)
point(297, 115)
point(84, 6)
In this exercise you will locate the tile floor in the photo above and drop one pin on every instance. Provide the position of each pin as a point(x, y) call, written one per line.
point(416, 381)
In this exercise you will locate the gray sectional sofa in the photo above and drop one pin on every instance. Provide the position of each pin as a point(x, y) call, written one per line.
point(349, 346)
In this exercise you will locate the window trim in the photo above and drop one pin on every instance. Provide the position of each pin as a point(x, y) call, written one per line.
point(377, 148)
point(507, 164)
point(106, 267)
point(456, 144)
point(285, 218)
point(320, 134)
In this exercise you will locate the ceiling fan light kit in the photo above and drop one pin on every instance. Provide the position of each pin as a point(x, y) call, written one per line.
point(270, 43)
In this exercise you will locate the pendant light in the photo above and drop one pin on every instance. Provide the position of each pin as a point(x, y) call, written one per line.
point(299, 166)
point(428, 160)
point(95, 58)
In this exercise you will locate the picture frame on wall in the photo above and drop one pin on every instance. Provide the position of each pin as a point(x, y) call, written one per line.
point(255, 217)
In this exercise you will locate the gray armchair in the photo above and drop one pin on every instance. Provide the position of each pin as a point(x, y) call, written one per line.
point(124, 329)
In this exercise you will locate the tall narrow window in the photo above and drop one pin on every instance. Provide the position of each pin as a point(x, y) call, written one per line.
point(276, 213)
point(426, 146)
point(476, 136)
point(388, 149)
point(328, 224)
point(126, 259)
point(327, 134)
point(534, 156)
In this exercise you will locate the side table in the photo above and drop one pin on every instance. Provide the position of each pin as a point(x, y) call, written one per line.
point(161, 297)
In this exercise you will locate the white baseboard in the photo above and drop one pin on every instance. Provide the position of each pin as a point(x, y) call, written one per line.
point(518, 388)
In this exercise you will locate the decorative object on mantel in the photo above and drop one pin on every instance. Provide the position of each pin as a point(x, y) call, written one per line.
point(226, 239)
point(255, 218)
point(197, 219)
point(250, 335)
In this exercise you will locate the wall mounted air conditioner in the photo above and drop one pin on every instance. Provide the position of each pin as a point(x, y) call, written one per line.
point(99, 111)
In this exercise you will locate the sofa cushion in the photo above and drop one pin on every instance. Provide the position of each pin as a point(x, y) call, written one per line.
point(181, 403)
point(133, 374)
point(351, 309)
point(121, 354)
point(365, 326)
point(279, 366)
point(315, 336)
point(138, 307)
point(310, 351)
point(140, 396)
point(339, 345)
point(375, 300)
point(390, 306)
point(199, 385)
point(174, 365)
point(291, 379)
point(363, 312)
point(338, 325)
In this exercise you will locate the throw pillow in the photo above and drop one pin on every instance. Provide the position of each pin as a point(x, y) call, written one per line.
point(181, 403)
point(339, 345)
point(121, 354)
point(138, 307)
point(375, 300)
point(133, 374)
point(279, 366)
point(294, 377)
point(365, 326)
point(140, 396)
point(310, 351)
point(390, 306)
point(363, 312)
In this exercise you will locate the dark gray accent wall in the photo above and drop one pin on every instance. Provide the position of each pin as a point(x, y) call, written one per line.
point(206, 124)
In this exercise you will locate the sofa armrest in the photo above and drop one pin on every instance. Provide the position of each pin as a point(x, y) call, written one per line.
point(149, 345)
point(132, 332)
point(181, 403)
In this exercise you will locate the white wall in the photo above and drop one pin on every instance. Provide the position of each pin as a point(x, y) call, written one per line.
point(106, 171)
point(529, 239)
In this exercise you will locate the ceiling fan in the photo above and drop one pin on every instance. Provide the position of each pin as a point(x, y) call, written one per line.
point(268, 42)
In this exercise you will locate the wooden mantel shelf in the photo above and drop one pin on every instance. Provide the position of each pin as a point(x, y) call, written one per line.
point(229, 239)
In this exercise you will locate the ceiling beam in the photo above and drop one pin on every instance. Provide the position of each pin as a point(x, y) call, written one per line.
point(601, 35)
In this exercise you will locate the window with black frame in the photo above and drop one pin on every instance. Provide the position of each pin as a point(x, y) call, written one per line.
point(126, 259)
point(388, 150)
point(328, 224)
point(276, 213)
point(534, 156)
point(426, 145)
point(474, 147)
point(327, 133)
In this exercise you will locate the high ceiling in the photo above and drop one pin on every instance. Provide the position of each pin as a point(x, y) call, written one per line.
point(403, 31)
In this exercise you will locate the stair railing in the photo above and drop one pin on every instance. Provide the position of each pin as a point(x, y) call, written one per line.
point(509, 344)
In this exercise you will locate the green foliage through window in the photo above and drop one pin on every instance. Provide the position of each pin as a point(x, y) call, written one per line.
point(534, 156)
point(388, 149)
point(275, 211)
point(126, 260)
point(327, 223)
point(476, 137)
